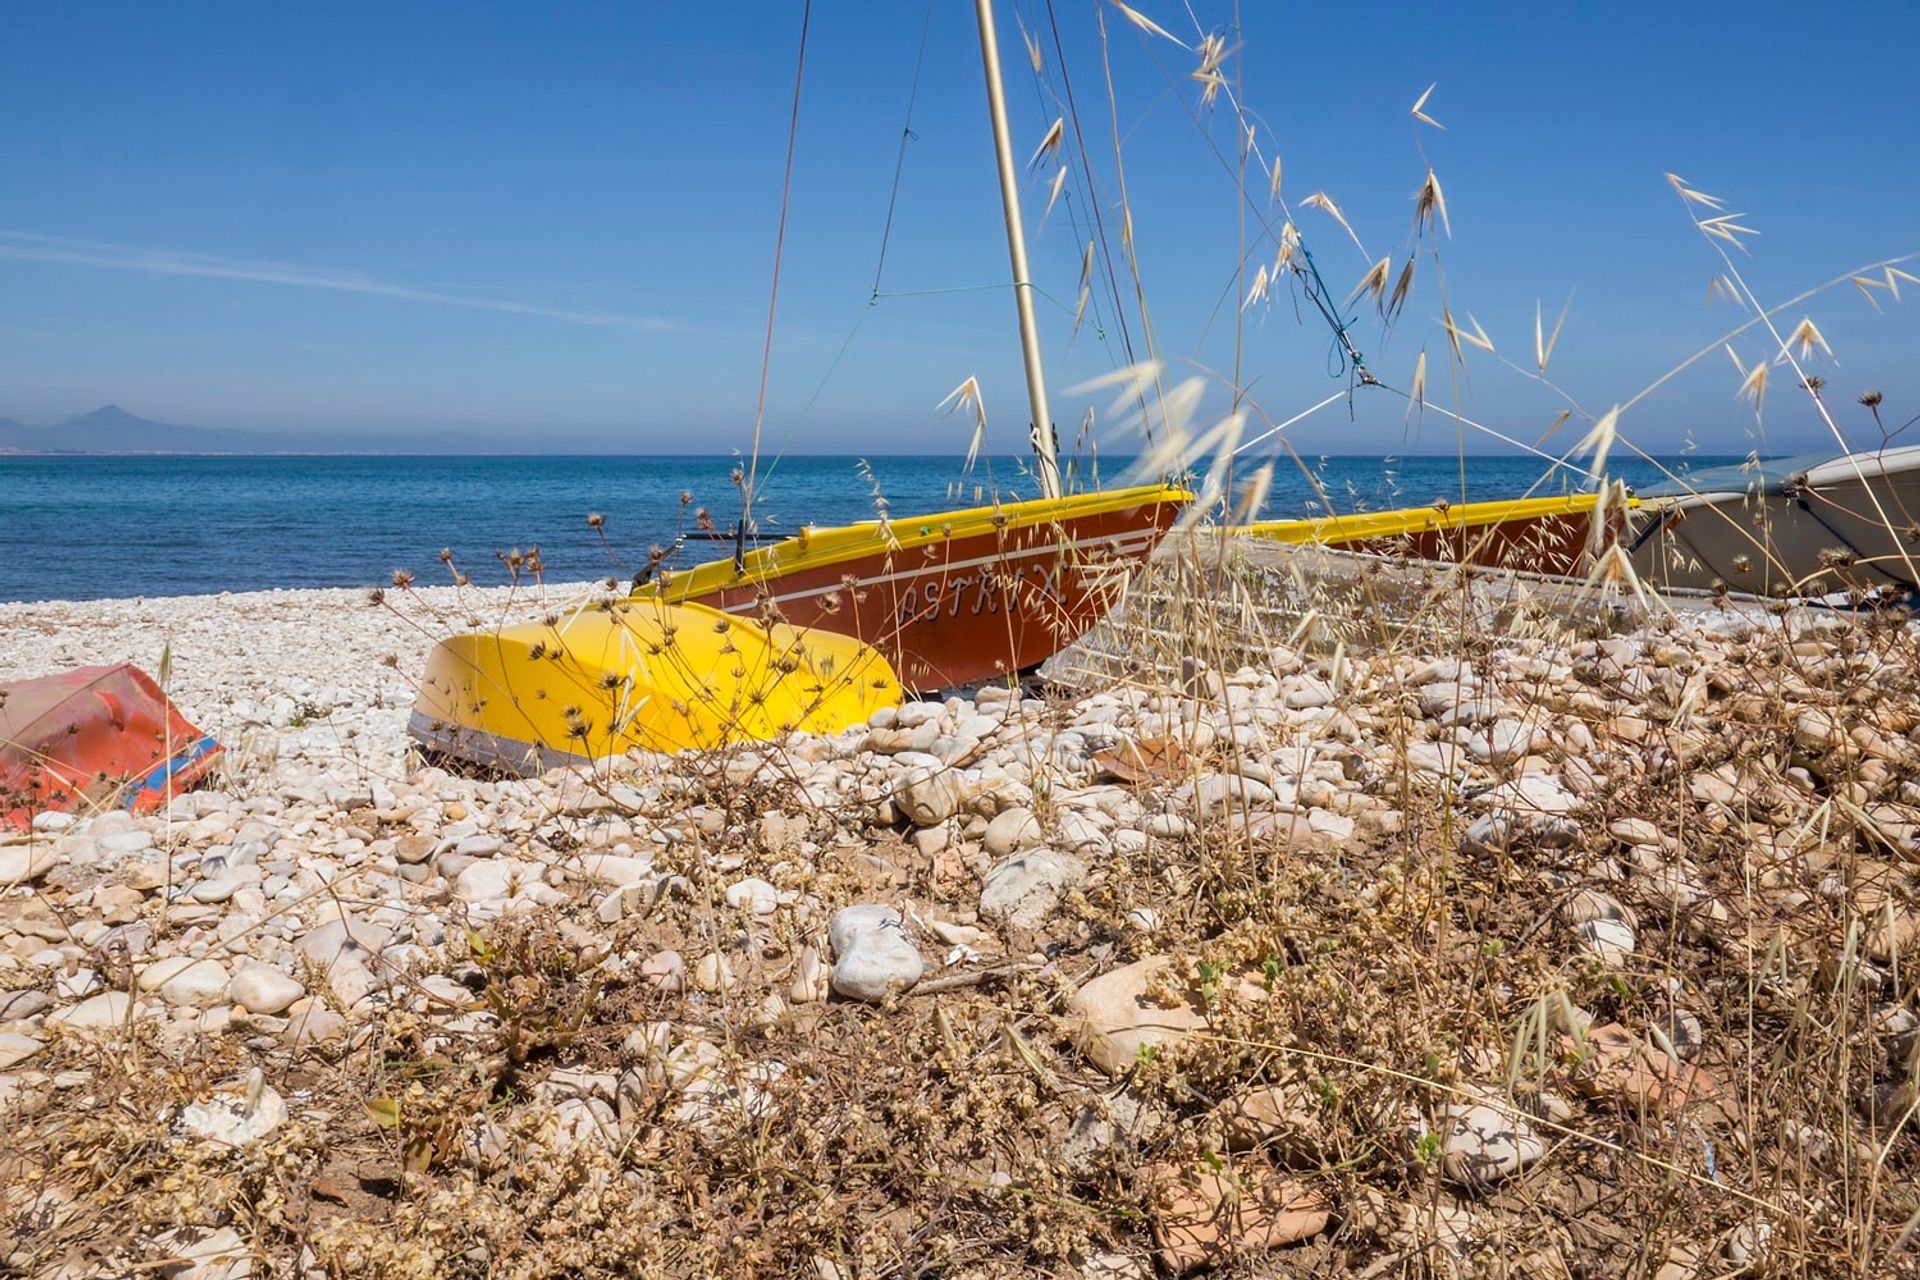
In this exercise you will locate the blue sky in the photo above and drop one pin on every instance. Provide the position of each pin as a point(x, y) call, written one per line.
point(555, 224)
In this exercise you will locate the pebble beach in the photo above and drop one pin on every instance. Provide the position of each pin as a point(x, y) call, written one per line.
point(1536, 956)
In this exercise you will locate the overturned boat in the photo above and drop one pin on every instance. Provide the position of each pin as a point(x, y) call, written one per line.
point(618, 675)
point(94, 738)
point(1811, 526)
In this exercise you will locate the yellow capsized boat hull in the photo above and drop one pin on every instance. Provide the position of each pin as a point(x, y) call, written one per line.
point(622, 675)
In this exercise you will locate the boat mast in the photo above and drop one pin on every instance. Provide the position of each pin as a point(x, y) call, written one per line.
point(1042, 434)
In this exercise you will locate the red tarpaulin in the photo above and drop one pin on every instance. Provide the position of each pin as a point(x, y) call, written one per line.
point(91, 738)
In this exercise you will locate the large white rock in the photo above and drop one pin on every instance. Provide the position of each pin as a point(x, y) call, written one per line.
point(236, 1116)
point(615, 869)
point(16, 1048)
point(487, 881)
point(753, 894)
point(872, 953)
point(1480, 1144)
point(25, 863)
point(1012, 829)
point(343, 938)
point(1118, 1020)
point(109, 1009)
point(200, 985)
point(930, 794)
point(261, 989)
point(205, 1255)
point(162, 971)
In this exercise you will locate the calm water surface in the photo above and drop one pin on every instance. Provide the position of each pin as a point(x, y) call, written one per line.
point(89, 527)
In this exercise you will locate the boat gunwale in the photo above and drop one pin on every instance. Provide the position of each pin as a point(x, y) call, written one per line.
point(812, 548)
point(1403, 521)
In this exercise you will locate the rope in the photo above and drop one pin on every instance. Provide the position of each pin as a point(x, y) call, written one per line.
point(1318, 294)
point(1048, 99)
point(773, 296)
point(906, 135)
point(1563, 461)
point(1093, 200)
point(1304, 413)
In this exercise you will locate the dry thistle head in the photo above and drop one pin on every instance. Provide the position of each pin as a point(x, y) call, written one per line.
point(739, 476)
point(595, 520)
point(686, 497)
point(1871, 399)
point(402, 578)
point(446, 555)
point(1813, 383)
point(704, 518)
point(377, 597)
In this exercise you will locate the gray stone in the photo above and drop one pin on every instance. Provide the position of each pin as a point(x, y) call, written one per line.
point(109, 1009)
point(1023, 891)
point(16, 1048)
point(217, 890)
point(930, 795)
point(200, 985)
point(1611, 940)
point(126, 841)
point(1012, 829)
point(343, 938)
point(1480, 1144)
point(1119, 1021)
point(753, 894)
point(487, 881)
point(18, 1005)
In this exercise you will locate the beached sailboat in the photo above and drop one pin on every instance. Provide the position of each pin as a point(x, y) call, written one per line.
point(1553, 535)
point(1807, 526)
point(956, 597)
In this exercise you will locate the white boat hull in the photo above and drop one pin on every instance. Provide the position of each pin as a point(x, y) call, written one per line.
point(1843, 524)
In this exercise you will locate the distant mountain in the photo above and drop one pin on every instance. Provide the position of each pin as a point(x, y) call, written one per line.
point(111, 429)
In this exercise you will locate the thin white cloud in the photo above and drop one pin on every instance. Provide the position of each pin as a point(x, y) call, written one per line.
point(28, 246)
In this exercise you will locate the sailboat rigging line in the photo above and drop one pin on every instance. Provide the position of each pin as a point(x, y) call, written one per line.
point(1565, 460)
point(1348, 354)
point(773, 297)
point(1276, 430)
point(1093, 203)
point(1048, 99)
point(900, 161)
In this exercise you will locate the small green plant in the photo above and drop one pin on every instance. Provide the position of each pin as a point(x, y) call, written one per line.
point(1427, 1149)
point(1210, 975)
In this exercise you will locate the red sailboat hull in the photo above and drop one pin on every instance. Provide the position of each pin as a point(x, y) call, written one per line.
point(956, 598)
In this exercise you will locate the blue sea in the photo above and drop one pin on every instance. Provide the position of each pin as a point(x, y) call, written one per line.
point(75, 528)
